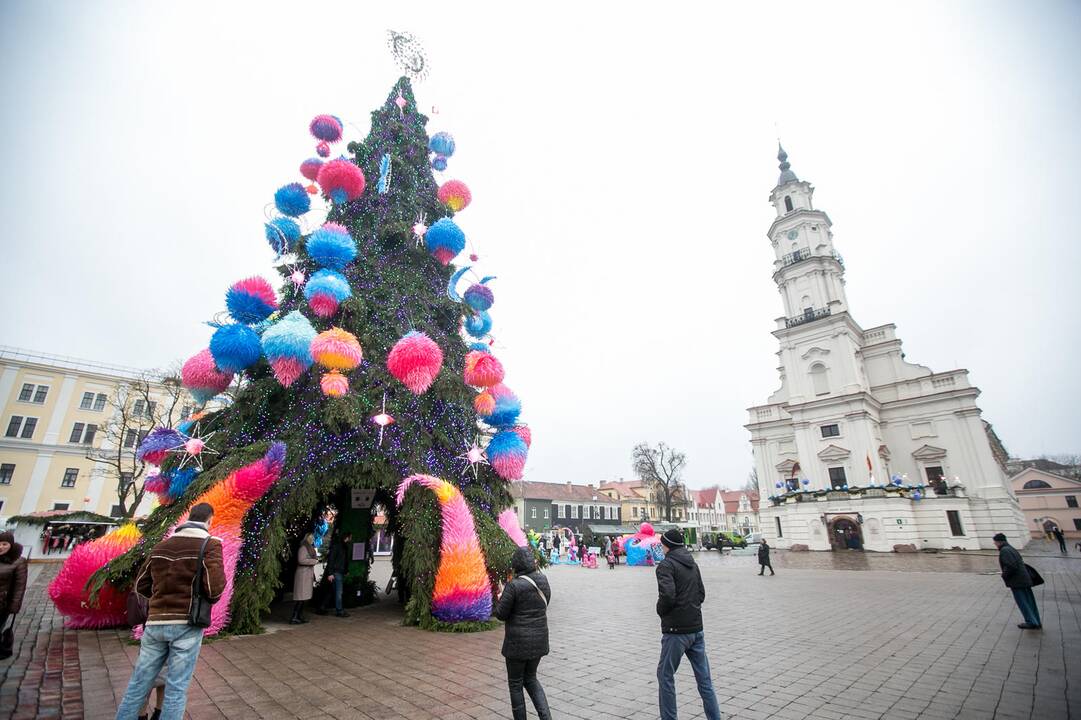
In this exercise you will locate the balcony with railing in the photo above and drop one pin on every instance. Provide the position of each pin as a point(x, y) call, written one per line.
point(796, 256)
point(809, 315)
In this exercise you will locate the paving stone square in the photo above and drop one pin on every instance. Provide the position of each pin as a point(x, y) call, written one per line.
point(831, 636)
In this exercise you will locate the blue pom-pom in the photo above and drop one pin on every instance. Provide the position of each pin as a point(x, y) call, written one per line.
point(331, 246)
point(479, 297)
point(439, 163)
point(507, 410)
point(290, 337)
point(444, 239)
point(327, 282)
point(478, 325)
point(246, 307)
point(442, 143)
point(282, 234)
point(292, 200)
point(179, 480)
point(480, 347)
point(235, 347)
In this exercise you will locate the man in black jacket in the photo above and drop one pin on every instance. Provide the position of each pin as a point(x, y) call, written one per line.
point(337, 564)
point(763, 558)
point(1017, 579)
point(679, 603)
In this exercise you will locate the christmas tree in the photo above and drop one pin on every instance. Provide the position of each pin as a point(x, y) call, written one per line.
point(359, 367)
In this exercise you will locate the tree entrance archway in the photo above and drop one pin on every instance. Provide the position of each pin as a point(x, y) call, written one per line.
point(845, 534)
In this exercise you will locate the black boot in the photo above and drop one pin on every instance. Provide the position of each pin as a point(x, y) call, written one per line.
point(295, 620)
point(540, 702)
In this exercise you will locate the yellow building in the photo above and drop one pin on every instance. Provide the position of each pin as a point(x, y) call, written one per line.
point(57, 411)
point(638, 502)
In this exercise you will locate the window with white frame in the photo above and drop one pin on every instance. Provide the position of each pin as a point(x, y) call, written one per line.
point(76, 433)
point(7, 470)
point(88, 436)
point(70, 476)
point(131, 437)
point(559, 511)
point(87, 402)
point(33, 393)
point(574, 512)
point(28, 428)
point(14, 424)
point(533, 513)
point(545, 513)
point(99, 401)
point(61, 506)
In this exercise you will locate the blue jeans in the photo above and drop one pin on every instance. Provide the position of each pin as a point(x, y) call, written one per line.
point(177, 645)
point(1026, 602)
point(339, 580)
point(673, 648)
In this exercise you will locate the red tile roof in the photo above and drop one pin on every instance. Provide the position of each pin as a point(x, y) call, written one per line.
point(626, 489)
point(731, 500)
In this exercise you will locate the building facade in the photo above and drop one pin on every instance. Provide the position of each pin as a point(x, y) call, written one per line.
point(542, 506)
point(707, 511)
point(56, 412)
point(1049, 500)
point(860, 448)
point(741, 511)
point(638, 501)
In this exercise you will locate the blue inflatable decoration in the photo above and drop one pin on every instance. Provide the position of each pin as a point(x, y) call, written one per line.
point(235, 347)
point(383, 184)
point(439, 163)
point(444, 239)
point(292, 200)
point(442, 143)
point(282, 234)
point(478, 325)
point(331, 246)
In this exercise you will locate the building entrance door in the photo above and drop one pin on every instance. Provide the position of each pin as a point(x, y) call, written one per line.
point(845, 534)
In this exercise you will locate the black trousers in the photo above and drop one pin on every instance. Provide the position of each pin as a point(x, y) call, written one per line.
point(764, 565)
point(523, 673)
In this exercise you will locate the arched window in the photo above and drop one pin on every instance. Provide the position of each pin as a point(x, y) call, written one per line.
point(787, 203)
point(1035, 485)
point(819, 380)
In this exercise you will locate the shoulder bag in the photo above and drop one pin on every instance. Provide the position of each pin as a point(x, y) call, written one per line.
point(1037, 579)
point(537, 587)
point(199, 614)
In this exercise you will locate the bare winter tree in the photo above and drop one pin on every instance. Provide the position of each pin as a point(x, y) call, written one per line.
point(751, 484)
point(154, 399)
point(661, 468)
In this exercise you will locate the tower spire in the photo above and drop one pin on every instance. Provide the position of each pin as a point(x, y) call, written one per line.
point(787, 175)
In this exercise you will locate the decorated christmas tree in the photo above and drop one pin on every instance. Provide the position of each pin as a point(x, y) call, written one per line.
point(366, 381)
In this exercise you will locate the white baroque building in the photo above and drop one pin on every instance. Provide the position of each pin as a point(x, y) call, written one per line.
point(852, 416)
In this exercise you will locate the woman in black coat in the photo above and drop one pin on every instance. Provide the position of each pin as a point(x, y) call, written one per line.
point(523, 606)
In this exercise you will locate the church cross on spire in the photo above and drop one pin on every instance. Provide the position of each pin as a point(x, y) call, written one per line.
point(787, 175)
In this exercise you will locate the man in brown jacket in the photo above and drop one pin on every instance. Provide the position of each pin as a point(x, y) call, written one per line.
point(167, 579)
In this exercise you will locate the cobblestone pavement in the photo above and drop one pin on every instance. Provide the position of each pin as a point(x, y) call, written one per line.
point(812, 642)
point(42, 678)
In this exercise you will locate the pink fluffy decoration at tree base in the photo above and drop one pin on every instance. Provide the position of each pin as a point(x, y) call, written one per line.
point(508, 520)
point(334, 384)
point(415, 360)
point(68, 589)
point(482, 369)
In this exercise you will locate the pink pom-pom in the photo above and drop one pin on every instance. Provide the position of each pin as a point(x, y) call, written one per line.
point(70, 591)
point(326, 128)
point(257, 287)
point(415, 360)
point(323, 305)
point(287, 370)
point(508, 520)
point(156, 484)
point(455, 195)
point(444, 255)
point(334, 384)
point(336, 349)
point(482, 369)
point(645, 529)
point(484, 403)
point(525, 433)
point(310, 168)
point(341, 180)
point(201, 376)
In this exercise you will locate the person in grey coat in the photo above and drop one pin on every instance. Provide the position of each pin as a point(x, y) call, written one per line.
point(523, 606)
point(1017, 579)
point(304, 578)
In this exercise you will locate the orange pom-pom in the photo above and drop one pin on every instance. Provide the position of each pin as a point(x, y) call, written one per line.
point(484, 403)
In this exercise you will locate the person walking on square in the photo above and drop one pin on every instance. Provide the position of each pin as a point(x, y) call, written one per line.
point(523, 606)
point(169, 640)
point(763, 558)
point(304, 578)
point(680, 594)
point(12, 587)
point(1057, 532)
point(1018, 580)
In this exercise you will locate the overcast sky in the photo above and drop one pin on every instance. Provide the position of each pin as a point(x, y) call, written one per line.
point(620, 161)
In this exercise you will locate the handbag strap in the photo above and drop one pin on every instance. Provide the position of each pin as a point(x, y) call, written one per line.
point(199, 566)
point(539, 591)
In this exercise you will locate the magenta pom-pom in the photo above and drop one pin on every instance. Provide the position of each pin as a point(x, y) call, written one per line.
point(310, 168)
point(322, 150)
point(341, 180)
point(525, 433)
point(482, 369)
point(323, 305)
point(415, 360)
point(202, 378)
point(326, 128)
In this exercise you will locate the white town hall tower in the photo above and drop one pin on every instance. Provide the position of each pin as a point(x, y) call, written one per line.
point(859, 448)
